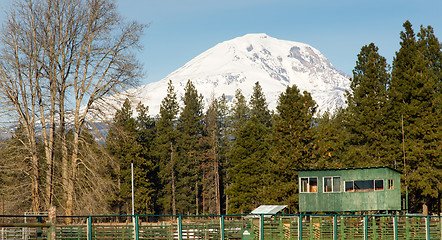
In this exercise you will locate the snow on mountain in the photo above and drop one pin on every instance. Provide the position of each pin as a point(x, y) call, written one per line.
point(240, 62)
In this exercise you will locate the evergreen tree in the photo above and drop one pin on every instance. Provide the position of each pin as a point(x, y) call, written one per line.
point(329, 142)
point(146, 170)
point(292, 142)
point(130, 144)
point(121, 143)
point(214, 146)
point(415, 111)
point(249, 164)
point(366, 112)
point(259, 106)
point(249, 184)
point(166, 151)
point(240, 114)
point(190, 127)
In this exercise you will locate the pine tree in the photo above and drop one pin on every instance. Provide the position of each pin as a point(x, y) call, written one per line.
point(249, 164)
point(121, 143)
point(259, 106)
point(213, 146)
point(329, 145)
point(166, 151)
point(240, 114)
point(415, 110)
point(190, 127)
point(292, 142)
point(146, 170)
point(366, 112)
point(129, 141)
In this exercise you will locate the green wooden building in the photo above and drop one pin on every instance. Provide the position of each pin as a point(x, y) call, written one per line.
point(349, 190)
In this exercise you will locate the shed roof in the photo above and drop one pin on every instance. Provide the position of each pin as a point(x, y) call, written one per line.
point(351, 168)
point(268, 209)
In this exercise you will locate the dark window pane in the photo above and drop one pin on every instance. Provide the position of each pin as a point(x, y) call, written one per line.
point(349, 186)
point(364, 186)
point(379, 184)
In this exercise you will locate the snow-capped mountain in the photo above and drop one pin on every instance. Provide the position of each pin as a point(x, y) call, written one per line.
point(240, 62)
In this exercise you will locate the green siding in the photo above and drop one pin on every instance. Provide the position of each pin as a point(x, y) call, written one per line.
point(352, 201)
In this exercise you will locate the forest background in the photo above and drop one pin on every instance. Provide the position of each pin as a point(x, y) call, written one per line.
point(58, 62)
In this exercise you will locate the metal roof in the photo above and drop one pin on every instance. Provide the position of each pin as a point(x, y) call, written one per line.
point(350, 168)
point(268, 209)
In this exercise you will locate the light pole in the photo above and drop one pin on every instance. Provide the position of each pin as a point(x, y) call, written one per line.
point(132, 180)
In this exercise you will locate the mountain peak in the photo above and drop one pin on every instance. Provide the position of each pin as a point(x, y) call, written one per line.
point(242, 61)
point(254, 36)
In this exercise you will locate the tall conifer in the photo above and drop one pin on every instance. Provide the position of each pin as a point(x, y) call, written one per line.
point(259, 106)
point(292, 143)
point(415, 108)
point(190, 127)
point(249, 184)
point(125, 143)
point(166, 151)
point(366, 112)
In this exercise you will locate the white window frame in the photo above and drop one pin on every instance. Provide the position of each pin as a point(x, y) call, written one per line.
point(308, 184)
point(332, 184)
point(392, 184)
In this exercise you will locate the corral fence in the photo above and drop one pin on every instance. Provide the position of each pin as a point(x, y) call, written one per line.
point(243, 226)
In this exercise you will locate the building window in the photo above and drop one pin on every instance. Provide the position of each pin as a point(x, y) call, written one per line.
point(349, 186)
point(378, 185)
point(309, 184)
point(364, 186)
point(390, 184)
point(332, 184)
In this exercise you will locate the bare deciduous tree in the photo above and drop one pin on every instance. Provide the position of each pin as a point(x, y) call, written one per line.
point(58, 55)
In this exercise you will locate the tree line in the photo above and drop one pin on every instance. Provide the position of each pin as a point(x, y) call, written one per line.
point(231, 159)
point(196, 159)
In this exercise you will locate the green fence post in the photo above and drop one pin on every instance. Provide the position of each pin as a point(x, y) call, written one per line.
point(300, 227)
point(335, 227)
point(440, 225)
point(222, 227)
point(89, 228)
point(180, 227)
point(136, 228)
point(366, 227)
point(395, 227)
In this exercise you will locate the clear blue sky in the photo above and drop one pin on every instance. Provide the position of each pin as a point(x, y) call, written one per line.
point(181, 29)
